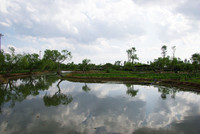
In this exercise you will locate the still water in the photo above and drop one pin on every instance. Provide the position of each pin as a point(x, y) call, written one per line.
point(44, 104)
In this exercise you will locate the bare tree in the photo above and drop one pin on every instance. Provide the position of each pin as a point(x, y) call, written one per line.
point(164, 50)
point(173, 51)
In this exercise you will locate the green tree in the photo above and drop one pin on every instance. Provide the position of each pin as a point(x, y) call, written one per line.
point(132, 56)
point(2, 60)
point(33, 60)
point(57, 57)
point(12, 60)
point(85, 65)
point(174, 65)
point(128, 66)
point(108, 67)
point(24, 64)
point(72, 66)
point(195, 58)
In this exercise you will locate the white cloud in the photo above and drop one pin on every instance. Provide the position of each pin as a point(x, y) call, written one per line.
point(102, 30)
point(190, 8)
point(20, 50)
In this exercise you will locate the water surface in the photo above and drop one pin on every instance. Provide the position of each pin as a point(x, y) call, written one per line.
point(44, 104)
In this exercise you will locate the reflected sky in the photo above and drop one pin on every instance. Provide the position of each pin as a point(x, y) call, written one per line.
point(70, 107)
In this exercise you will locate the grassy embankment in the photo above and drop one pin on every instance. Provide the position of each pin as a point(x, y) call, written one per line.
point(181, 79)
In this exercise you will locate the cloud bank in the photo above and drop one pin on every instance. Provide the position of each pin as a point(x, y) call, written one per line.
point(102, 30)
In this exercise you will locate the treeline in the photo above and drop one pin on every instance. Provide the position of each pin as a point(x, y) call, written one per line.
point(164, 63)
point(159, 65)
point(13, 63)
point(53, 60)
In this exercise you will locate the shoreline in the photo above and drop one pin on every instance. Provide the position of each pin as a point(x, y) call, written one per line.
point(4, 78)
point(143, 81)
point(190, 86)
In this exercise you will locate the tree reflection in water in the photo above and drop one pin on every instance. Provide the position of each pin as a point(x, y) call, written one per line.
point(167, 91)
point(58, 98)
point(19, 89)
point(130, 90)
point(86, 88)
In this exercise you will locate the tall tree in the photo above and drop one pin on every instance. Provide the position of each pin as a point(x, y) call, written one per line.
point(129, 52)
point(11, 60)
point(57, 57)
point(173, 51)
point(132, 56)
point(32, 59)
point(85, 64)
point(2, 60)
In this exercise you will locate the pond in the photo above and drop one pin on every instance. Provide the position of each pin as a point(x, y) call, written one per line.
point(44, 104)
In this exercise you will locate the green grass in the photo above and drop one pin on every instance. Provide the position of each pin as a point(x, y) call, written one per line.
point(197, 80)
point(181, 77)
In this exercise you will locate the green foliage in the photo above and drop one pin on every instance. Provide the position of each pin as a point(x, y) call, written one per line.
point(128, 66)
point(48, 65)
point(175, 65)
point(110, 70)
point(117, 65)
point(86, 88)
point(132, 56)
point(107, 66)
point(131, 91)
point(72, 66)
point(16, 91)
point(52, 60)
point(33, 60)
point(11, 60)
point(196, 58)
point(2, 60)
point(24, 63)
point(57, 99)
point(56, 56)
point(85, 65)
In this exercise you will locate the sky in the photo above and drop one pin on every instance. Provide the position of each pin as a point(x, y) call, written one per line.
point(102, 30)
